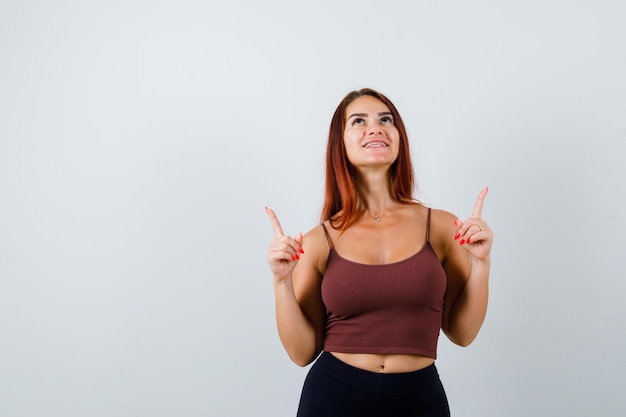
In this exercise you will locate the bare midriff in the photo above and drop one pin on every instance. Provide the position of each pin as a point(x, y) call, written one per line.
point(385, 363)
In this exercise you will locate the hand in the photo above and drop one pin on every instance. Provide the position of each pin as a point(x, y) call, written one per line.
point(284, 251)
point(474, 234)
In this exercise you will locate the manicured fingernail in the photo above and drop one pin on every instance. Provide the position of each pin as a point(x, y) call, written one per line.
point(468, 240)
point(293, 257)
point(297, 257)
point(300, 250)
point(462, 241)
point(458, 235)
point(456, 222)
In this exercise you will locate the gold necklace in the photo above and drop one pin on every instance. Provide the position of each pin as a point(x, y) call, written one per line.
point(376, 216)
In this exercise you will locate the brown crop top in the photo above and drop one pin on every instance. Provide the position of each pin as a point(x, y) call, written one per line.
point(390, 308)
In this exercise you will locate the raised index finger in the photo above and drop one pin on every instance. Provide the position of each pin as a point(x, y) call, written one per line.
point(278, 231)
point(478, 206)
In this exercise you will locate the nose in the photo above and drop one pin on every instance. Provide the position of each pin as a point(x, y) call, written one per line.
point(374, 129)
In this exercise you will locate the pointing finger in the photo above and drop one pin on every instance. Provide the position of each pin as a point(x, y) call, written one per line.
point(278, 231)
point(478, 206)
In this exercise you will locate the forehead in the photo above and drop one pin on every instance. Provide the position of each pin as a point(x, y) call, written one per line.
point(366, 104)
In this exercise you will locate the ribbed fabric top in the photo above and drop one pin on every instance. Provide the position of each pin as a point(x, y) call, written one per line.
point(390, 308)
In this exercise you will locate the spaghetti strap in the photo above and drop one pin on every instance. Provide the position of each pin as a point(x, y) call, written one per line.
point(330, 242)
point(428, 226)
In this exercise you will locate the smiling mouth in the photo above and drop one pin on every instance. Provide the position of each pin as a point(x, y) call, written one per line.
point(375, 145)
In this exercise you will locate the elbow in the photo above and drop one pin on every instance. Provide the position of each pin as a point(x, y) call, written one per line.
point(302, 360)
point(301, 363)
point(302, 353)
point(304, 357)
point(462, 340)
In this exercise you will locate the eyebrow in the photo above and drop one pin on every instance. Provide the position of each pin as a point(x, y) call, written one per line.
point(384, 113)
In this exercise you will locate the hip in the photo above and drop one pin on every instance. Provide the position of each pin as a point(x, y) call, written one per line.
point(334, 388)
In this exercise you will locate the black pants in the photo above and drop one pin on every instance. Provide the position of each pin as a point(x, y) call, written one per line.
point(335, 389)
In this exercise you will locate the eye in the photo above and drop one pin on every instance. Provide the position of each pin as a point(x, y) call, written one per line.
point(387, 119)
point(357, 121)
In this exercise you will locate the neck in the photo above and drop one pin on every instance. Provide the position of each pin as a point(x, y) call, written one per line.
point(375, 195)
point(374, 190)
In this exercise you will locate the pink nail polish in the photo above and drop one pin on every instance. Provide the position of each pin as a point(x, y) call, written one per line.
point(462, 241)
point(458, 235)
point(468, 240)
point(293, 257)
point(300, 250)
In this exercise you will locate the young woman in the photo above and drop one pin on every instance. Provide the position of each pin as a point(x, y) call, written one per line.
point(371, 287)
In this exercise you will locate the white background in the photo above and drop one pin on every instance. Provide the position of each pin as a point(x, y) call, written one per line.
point(140, 141)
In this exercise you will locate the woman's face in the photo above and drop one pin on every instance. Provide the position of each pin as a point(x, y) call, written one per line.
point(370, 136)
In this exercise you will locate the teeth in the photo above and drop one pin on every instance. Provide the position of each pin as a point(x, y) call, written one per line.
point(375, 144)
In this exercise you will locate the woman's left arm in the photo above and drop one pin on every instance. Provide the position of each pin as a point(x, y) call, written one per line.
point(467, 266)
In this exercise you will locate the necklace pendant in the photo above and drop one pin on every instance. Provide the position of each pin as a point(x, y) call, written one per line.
point(377, 217)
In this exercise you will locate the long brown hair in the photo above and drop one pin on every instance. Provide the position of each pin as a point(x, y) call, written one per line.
point(340, 196)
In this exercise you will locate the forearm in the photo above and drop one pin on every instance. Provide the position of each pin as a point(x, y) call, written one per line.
point(470, 309)
point(295, 330)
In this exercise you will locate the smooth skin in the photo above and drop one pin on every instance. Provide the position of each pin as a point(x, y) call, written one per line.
point(298, 263)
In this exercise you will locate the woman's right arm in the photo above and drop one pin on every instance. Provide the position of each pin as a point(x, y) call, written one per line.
point(300, 313)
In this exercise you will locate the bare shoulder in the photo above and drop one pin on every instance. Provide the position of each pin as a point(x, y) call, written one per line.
point(442, 231)
point(316, 248)
point(442, 218)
